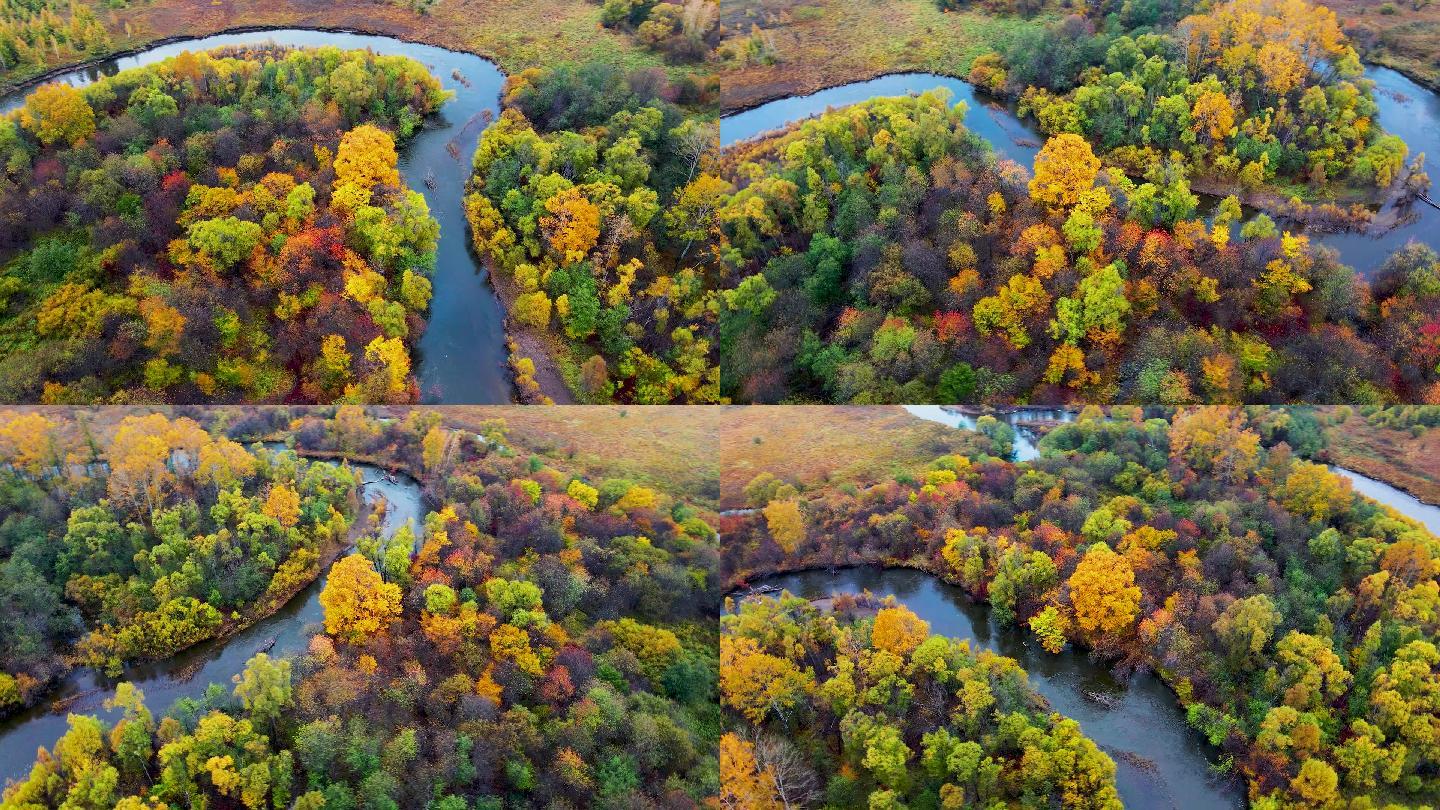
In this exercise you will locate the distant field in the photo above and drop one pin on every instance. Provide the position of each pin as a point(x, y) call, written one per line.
point(1394, 456)
point(517, 34)
point(821, 43)
point(1395, 33)
point(672, 446)
point(812, 444)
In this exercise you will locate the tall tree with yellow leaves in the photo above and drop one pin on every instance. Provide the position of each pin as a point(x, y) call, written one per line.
point(358, 602)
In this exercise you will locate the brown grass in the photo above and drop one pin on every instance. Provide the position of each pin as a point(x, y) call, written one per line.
point(1393, 456)
point(811, 445)
point(1407, 40)
point(671, 447)
point(517, 34)
point(822, 43)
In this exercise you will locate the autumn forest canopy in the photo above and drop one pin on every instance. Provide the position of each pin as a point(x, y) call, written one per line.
point(1292, 618)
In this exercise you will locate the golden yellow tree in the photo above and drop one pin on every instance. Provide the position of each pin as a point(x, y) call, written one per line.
point(58, 112)
point(357, 602)
point(283, 504)
point(1104, 593)
point(898, 630)
point(366, 158)
point(744, 785)
point(573, 224)
point(787, 524)
point(1064, 170)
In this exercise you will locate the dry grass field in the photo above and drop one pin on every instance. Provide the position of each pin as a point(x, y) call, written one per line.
point(813, 44)
point(812, 444)
point(517, 34)
point(1397, 457)
point(1402, 34)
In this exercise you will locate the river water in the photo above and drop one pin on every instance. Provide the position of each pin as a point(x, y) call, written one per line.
point(188, 673)
point(462, 356)
point(1141, 719)
point(1407, 109)
point(1160, 761)
point(1025, 439)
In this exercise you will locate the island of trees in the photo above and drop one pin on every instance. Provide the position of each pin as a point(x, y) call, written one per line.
point(223, 226)
point(880, 253)
point(1294, 619)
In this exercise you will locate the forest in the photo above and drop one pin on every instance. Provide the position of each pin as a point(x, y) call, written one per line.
point(1293, 619)
point(898, 717)
point(880, 253)
point(540, 639)
point(224, 226)
point(1246, 93)
point(587, 197)
point(115, 550)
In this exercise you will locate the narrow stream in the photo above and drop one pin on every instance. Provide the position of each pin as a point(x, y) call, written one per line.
point(190, 672)
point(1407, 109)
point(462, 356)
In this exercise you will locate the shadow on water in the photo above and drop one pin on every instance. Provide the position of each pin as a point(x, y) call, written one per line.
point(462, 355)
point(285, 633)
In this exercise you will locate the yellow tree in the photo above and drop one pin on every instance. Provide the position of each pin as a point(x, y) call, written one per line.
point(573, 224)
point(1104, 593)
point(756, 683)
point(744, 785)
point(898, 630)
point(357, 601)
point(1213, 440)
point(283, 504)
point(144, 453)
point(58, 112)
point(787, 524)
point(1064, 170)
point(366, 158)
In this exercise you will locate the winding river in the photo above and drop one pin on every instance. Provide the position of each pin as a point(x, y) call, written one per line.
point(190, 672)
point(1407, 109)
point(1160, 761)
point(462, 355)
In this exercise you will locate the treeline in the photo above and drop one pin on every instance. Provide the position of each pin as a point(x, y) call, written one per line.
point(585, 195)
point(1294, 619)
point(36, 34)
point(685, 31)
point(225, 226)
point(857, 705)
point(879, 253)
point(552, 642)
point(134, 545)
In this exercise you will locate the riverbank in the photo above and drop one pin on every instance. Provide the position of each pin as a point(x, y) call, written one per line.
point(230, 626)
point(1399, 458)
point(546, 386)
point(565, 30)
point(1160, 760)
